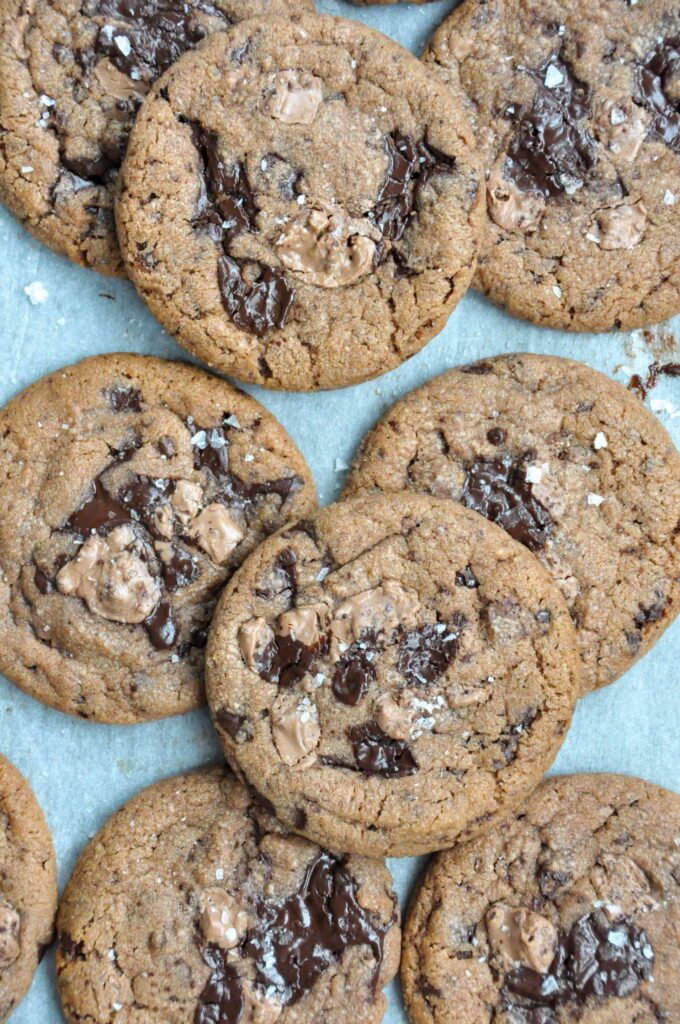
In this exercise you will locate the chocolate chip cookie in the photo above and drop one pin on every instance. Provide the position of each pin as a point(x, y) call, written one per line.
point(194, 903)
point(28, 887)
point(576, 107)
point(572, 466)
point(72, 77)
point(130, 490)
point(568, 912)
point(393, 674)
point(299, 203)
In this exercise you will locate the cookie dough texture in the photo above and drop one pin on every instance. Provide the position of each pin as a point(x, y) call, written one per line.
point(130, 489)
point(28, 887)
point(393, 674)
point(194, 904)
point(72, 77)
point(575, 111)
point(300, 203)
point(569, 911)
point(572, 465)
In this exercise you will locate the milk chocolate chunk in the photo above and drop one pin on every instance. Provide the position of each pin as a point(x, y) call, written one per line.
point(498, 488)
point(658, 91)
point(376, 753)
point(552, 151)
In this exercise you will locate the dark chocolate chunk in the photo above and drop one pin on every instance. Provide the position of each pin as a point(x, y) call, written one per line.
point(100, 512)
point(652, 612)
point(161, 626)
point(552, 148)
point(354, 672)
point(466, 578)
point(499, 490)
point(286, 661)
point(477, 369)
point(69, 948)
point(495, 436)
point(376, 753)
point(124, 399)
point(143, 496)
point(409, 165)
point(179, 570)
point(226, 204)
point(256, 306)
point(43, 582)
point(221, 999)
point(294, 942)
point(425, 652)
point(230, 721)
point(656, 82)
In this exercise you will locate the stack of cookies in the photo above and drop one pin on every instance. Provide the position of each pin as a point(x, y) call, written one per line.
point(301, 204)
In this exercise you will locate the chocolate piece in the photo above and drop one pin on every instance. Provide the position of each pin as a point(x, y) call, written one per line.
point(552, 150)
point(161, 627)
point(598, 958)
point(286, 661)
point(495, 436)
point(43, 582)
point(466, 578)
point(226, 204)
point(499, 490)
point(654, 81)
point(426, 652)
point(158, 32)
point(100, 512)
point(376, 753)
point(221, 1000)
point(180, 570)
point(259, 306)
point(294, 942)
point(124, 399)
point(409, 165)
point(230, 721)
point(142, 496)
point(354, 673)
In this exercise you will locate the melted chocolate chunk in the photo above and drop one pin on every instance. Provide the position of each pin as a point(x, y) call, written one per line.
point(654, 80)
point(552, 148)
point(499, 490)
point(294, 942)
point(598, 958)
point(100, 512)
point(124, 399)
point(286, 661)
point(161, 627)
point(157, 31)
point(221, 1000)
point(409, 165)
point(143, 496)
point(226, 204)
point(376, 753)
point(181, 569)
point(256, 306)
point(354, 673)
point(426, 651)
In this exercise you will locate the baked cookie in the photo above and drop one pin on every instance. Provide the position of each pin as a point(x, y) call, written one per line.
point(72, 77)
point(28, 887)
point(571, 464)
point(393, 674)
point(194, 903)
point(130, 489)
point(567, 912)
point(576, 109)
point(299, 203)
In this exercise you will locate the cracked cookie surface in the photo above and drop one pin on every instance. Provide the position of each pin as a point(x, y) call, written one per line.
point(131, 488)
point(72, 77)
point(299, 203)
point(576, 112)
point(572, 465)
point(568, 911)
point(194, 903)
point(28, 887)
point(392, 674)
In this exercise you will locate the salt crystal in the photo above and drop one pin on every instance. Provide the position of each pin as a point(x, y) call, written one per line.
point(594, 499)
point(37, 293)
point(553, 77)
point(600, 441)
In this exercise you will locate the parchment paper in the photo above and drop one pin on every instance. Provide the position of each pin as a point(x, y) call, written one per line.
point(82, 772)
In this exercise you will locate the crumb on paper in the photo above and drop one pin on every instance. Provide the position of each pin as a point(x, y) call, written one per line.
point(37, 293)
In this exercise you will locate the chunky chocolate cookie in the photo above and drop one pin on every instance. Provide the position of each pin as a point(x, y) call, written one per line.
point(130, 490)
point(72, 77)
point(576, 106)
point(393, 674)
point(568, 912)
point(299, 203)
point(195, 904)
point(572, 466)
point(28, 887)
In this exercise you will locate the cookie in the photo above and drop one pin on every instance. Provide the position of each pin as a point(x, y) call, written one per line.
point(576, 110)
point(572, 466)
point(299, 203)
point(392, 674)
point(72, 77)
point(130, 490)
point(28, 887)
point(569, 911)
point(194, 903)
